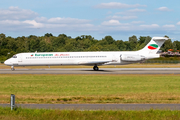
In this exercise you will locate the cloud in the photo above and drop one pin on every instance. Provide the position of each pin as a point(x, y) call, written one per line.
point(33, 23)
point(122, 17)
point(169, 26)
point(115, 27)
point(63, 20)
point(41, 19)
point(137, 10)
point(67, 20)
point(113, 23)
point(15, 13)
point(165, 9)
point(117, 5)
point(13, 26)
point(133, 26)
point(47, 24)
point(178, 23)
point(65, 24)
point(10, 22)
point(150, 26)
point(15, 18)
point(131, 11)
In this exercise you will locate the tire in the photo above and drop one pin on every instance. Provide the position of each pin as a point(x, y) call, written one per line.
point(96, 68)
point(12, 69)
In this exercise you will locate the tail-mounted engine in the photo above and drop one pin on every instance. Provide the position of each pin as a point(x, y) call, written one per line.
point(132, 58)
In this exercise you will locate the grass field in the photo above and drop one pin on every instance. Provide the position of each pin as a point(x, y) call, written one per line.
point(41, 114)
point(90, 88)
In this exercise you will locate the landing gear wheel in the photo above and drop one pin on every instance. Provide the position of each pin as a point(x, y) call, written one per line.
point(12, 68)
point(95, 68)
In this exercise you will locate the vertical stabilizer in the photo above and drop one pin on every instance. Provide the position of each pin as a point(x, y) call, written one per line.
point(151, 49)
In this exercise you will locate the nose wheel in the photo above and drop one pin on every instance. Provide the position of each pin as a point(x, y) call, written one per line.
point(12, 68)
point(95, 68)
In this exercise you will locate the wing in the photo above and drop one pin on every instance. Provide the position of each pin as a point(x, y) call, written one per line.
point(92, 62)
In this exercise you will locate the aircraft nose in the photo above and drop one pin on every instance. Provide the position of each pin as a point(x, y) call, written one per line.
point(7, 62)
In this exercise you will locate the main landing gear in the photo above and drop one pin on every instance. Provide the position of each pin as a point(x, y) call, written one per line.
point(12, 68)
point(95, 68)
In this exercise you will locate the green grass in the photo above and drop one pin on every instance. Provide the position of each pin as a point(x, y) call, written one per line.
point(42, 114)
point(90, 88)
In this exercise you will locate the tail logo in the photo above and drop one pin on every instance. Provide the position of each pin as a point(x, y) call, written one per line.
point(153, 46)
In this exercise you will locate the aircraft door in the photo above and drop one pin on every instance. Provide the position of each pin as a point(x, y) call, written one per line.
point(19, 58)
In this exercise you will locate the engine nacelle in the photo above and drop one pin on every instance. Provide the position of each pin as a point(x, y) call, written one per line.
point(132, 58)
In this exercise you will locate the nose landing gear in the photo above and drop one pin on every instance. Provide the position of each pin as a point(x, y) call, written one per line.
point(12, 68)
point(95, 68)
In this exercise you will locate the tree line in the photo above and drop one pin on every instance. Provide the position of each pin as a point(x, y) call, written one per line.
point(63, 43)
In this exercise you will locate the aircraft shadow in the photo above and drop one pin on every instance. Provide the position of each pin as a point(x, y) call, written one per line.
point(98, 70)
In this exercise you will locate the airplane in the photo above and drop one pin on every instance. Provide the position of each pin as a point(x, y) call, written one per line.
point(87, 58)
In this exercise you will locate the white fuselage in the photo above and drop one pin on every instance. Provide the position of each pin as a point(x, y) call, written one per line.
point(69, 58)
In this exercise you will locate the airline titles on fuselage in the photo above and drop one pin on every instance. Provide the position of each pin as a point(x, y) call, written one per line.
point(47, 55)
point(56, 55)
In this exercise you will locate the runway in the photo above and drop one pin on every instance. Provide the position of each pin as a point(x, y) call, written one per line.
point(90, 71)
point(99, 106)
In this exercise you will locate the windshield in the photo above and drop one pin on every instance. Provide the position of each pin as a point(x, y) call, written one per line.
point(14, 56)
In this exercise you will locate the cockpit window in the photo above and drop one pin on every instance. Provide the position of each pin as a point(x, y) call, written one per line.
point(14, 56)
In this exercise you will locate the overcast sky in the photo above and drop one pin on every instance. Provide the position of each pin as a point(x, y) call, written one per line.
point(98, 18)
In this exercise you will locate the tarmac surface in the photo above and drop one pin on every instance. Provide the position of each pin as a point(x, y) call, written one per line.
point(99, 106)
point(90, 71)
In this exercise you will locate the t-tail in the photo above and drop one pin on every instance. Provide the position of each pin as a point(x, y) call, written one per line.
point(151, 49)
